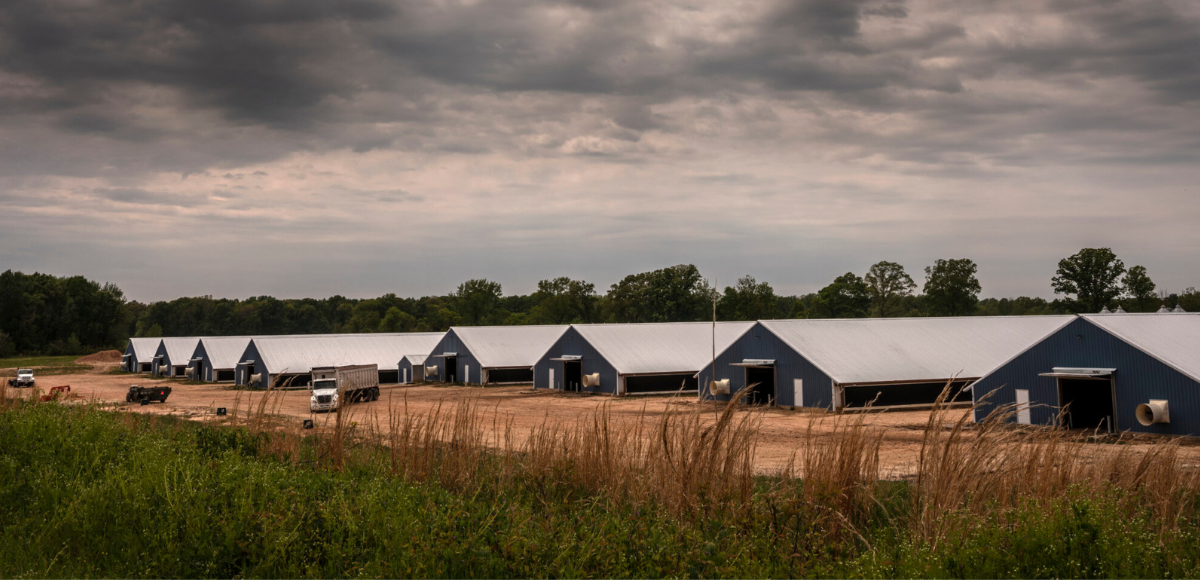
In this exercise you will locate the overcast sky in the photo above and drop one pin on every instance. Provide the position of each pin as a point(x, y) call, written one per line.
point(357, 147)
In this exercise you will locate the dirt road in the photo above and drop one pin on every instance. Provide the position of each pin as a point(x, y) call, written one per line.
point(782, 431)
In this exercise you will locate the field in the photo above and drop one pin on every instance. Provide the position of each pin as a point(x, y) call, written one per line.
point(46, 365)
point(438, 481)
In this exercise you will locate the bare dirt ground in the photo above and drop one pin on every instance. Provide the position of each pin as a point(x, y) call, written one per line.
point(782, 431)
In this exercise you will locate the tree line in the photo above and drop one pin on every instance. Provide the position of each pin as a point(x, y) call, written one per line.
point(44, 314)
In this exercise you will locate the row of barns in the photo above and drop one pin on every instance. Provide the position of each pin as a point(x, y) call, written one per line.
point(1109, 371)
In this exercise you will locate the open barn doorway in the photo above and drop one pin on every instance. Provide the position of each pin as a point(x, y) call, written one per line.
point(1088, 403)
point(572, 376)
point(760, 384)
point(451, 369)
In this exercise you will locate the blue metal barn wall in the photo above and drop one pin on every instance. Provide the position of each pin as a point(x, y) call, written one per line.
point(132, 358)
point(593, 362)
point(162, 351)
point(451, 343)
point(1138, 379)
point(405, 367)
point(260, 366)
point(760, 343)
point(204, 371)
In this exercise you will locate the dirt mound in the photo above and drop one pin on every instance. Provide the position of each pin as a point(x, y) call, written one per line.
point(102, 357)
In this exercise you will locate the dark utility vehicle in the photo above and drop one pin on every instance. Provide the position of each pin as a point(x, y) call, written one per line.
point(147, 394)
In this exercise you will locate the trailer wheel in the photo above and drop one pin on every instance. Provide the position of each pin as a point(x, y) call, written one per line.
point(375, 394)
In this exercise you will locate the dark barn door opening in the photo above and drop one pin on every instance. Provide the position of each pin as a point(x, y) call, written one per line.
point(496, 376)
point(1089, 403)
point(660, 384)
point(224, 376)
point(145, 367)
point(451, 372)
point(389, 377)
point(906, 394)
point(761, 382)
point(572, 376)
point(418, 373)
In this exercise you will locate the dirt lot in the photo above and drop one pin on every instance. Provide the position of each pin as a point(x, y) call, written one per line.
point(783, 431)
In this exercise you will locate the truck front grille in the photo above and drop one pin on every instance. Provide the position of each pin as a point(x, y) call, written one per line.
point(324, 398)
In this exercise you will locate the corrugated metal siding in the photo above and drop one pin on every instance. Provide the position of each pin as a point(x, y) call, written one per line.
point(260, 366)
point(675, 347)
point(571, 343)
point(507, 346)
point(223, 352)
point(144, 349)
point(1171, 338)
point(298, 354)
point(178, 351)
point(464, 359)
point(912, 349)
point(760, 343)
point(1138, 379)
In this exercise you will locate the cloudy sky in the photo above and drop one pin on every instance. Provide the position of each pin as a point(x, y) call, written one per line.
point(356, 147)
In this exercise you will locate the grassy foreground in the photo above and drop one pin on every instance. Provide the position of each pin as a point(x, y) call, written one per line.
point(88, 492)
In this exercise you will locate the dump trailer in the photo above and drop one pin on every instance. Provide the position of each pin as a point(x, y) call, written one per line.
point(147, 394)
point(330, 385)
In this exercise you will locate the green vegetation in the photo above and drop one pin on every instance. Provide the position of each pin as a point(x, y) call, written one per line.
point(86, 492)
point(44, 365)
point(42, 314)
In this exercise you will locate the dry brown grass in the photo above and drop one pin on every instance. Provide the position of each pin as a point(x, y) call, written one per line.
point(698, 465)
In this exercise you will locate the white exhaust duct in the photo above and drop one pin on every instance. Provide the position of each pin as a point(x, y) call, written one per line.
point(256, 379)
point(431, 371)
point(592, 380)
point(190, 372)
point(720, 387)
point(1154, 412)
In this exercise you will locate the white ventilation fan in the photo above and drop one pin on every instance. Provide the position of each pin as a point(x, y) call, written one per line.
point(592, 380)
point(431, 371)
point(256, 379)
point(720, 387)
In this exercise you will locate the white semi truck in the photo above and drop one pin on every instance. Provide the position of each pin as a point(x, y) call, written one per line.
point(330, 385)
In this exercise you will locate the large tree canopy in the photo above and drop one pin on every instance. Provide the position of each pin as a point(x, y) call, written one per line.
point(1089, 278)
point(951, 288)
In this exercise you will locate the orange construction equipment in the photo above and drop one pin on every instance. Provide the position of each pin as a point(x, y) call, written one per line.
point(56, 392)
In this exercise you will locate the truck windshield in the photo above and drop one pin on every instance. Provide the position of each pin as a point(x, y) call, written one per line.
point(325, 384)
point(24, 371)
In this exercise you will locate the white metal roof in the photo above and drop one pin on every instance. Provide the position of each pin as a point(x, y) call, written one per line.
point(300, 353)
point(180, 348)
point(416, 359)
point(1171, 338)
point(145, 348)
point(871, 350)
point(508, 346)
point(224, 352)
point(660, 347)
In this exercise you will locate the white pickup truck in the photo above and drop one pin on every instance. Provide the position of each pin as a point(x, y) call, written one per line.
point(24, 378)
point(348, 383)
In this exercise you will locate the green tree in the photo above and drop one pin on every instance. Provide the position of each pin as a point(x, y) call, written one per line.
point(396, 320)
point(888, 284)
point(847, 297)
point(675, 294)
point(748, 300)
point(563, 300)
point(1139, 290)
point(951, 288)
point(1089, 278)
point(476, 299)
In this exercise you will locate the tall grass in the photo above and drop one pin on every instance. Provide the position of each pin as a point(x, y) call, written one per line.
point(671, 493)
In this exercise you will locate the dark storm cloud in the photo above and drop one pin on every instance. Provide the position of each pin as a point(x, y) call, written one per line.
point(439, 115)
